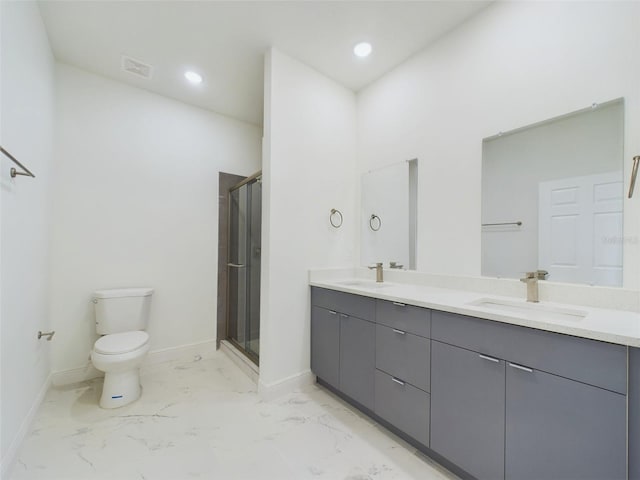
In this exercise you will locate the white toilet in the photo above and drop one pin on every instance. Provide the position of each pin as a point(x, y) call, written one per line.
point(122, 316)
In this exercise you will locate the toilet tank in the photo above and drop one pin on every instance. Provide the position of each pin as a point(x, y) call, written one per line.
point(122, 309)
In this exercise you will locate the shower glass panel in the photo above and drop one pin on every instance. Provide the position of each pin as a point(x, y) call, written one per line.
point(243, 269)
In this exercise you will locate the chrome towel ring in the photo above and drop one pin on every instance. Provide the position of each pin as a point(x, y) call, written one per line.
point(336, 221)
point(373, 221)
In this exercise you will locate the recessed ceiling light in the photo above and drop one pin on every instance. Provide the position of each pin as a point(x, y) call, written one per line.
point(193, 77)
point(362, 49)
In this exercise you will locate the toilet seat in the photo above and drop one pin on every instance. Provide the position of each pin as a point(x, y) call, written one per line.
point(119, 343)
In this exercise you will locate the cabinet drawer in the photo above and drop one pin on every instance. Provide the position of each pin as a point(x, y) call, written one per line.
point(354, 305)
point(589, 361)
point(407, 318)
point(403, 355)
point(403, 406)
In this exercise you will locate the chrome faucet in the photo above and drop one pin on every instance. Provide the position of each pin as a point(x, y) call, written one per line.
point(378, 268)
point(395, 265)
point(531, 279)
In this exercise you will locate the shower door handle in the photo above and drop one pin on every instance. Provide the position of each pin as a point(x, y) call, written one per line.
point(235, 265)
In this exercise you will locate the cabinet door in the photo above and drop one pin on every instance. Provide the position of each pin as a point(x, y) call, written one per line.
point(357, 359)
point(325, 344)
point(634, 413)
point(562, 429)
point(467, 410)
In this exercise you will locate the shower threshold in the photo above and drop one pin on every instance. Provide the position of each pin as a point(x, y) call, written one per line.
point(240, 359)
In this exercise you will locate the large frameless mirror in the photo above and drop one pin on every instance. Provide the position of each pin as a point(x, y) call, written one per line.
point(389, 215)
point(552, 198)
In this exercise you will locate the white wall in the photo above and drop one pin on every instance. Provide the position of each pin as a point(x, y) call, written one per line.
point(514, 64)
point(27, 72)
point(136, 204)
point(309, 167)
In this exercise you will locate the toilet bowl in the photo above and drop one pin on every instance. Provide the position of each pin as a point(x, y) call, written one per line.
point(121, 317)
point(119, 356)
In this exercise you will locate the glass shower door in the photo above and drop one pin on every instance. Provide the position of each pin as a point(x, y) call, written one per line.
point(245, 222)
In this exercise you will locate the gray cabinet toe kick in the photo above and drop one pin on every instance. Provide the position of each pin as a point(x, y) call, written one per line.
point(489, 400)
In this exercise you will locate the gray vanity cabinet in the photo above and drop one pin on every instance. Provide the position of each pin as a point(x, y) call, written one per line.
point(343, 343)
point(403, 367)
point(499, 401)
point(549, 403)
point(325, 345)
point(634, 414)
point(467, 409)
point(558, 428)
point(357, 359)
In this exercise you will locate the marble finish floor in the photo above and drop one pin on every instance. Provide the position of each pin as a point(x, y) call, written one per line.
point(201, 418)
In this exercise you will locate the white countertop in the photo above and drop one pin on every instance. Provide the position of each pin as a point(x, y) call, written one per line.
point(612, 326)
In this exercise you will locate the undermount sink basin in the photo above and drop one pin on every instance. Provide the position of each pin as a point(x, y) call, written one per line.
point(363, 283)
point(537, 311)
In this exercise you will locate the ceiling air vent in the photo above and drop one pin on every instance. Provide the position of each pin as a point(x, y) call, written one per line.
point(136, 67)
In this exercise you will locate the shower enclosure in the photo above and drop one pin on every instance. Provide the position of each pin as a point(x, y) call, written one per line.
point(243, 267)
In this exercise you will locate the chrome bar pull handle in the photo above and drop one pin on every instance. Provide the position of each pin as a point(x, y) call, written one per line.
point(398, 304)
point(520, 367)
point(235, 265)
point(634, 174)
point(399, 332)
point(344, 315)
point(491, 359)
point(500, 224)
point(332, 312)
point(399, 382)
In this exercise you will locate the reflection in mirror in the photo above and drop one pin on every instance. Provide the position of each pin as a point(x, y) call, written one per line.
point(552, 196)
point(389, 215)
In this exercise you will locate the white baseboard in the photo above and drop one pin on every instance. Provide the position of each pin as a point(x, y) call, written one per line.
point(276, 389)
point(75, 375)
point(154, 357)
point(12, 453)
point(247, 366)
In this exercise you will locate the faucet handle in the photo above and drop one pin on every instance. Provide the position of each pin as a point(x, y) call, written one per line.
point(529, 276)
point(377, 265)
point(542, 274)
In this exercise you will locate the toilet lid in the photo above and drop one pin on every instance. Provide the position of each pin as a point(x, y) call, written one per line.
point(121, 342)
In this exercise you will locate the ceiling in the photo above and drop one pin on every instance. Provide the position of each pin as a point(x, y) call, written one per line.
point(225, 41)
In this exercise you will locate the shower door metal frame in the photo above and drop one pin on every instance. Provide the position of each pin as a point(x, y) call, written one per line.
point(250, 355)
